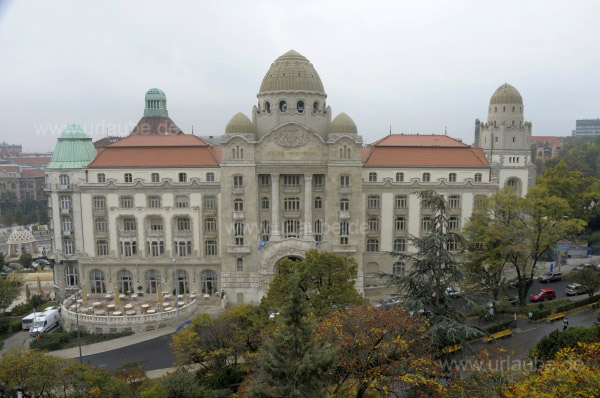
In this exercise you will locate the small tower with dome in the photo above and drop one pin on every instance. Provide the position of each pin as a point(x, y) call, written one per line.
point(156, 120)
point(506, 139)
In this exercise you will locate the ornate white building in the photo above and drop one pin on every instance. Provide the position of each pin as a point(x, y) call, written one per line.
point(289, 179)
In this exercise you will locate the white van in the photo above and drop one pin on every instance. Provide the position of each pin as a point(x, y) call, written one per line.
point(27, 321)
point(48, 319)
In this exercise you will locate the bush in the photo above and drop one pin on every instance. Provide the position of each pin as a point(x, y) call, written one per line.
point(578, 303)
point(549, 345)
point(60, 339)
point(497, 326)
point(4, 325)
point(539, 314)
point(36, 300)
point(21, 309)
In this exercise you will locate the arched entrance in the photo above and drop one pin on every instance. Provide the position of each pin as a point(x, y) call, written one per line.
point(293, 258)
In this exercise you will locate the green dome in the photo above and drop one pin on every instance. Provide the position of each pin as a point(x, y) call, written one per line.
point(73, 131)
point(74, 149)
point(156, 103)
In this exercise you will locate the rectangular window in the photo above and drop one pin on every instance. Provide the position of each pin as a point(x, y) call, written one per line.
point(372, 177)
point(238, 181)
point(156, 248)
point(453, 223)
point(155, 177)
point(344, 205)
point(373, 202)
point(291, 228)
point(426, 224)
point(69, 247)
point(210, 248)
point(210, 225)
point(182, 177)
point(452, 177)
point(210, 177)
point(127, 202)
point(374, 224)
point(265, 180)
point(210, 202)
point(344, 181)
point(156, 224)
point(373, 245)
point(478, 177)
point(128, 248)
point(454, 202)
point(183, 248)
point(291, 181)
point(238, 205)
point(183, 224)
point(318, 181)
point(154, 202)
point(265, 231)
point(400, 245)
point(400, 224)
point(128, 177)
point(291, 204)
point(99, 203)
point(344, 232)
point(182, 202)
point(100, 224)
point(400, 202)
point(102, 247)
point(129, 224)
point(65, 203)
point(101, 177)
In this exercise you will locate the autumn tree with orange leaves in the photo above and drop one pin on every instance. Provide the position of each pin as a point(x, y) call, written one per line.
point(379, 353)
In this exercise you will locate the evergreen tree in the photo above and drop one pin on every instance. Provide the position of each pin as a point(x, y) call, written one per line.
point(291, 364)
point(432, 269)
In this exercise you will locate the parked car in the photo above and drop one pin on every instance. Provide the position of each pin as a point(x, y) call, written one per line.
point(582, 266)
point(574, 289)
point(543, 295)
point(49, 319)
point(41, 261)
point(15, 266)
point(550, 277)
point(453, 291)
point(7, 269)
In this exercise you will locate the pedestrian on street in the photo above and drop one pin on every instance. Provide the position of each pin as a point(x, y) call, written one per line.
point(565, 324)
point(515, 320)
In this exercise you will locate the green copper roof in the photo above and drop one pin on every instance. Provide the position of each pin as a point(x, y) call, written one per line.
point(74, 150)
point(156, 103)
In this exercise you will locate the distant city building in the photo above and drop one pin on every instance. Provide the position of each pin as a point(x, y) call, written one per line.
point(106, 141)
point(31, 160)
point(25, 182)
point(587, 127)
point(7, 150)
point(546, 147)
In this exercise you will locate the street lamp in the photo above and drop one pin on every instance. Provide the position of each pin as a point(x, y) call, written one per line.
point(176, 280)
point(77, 295)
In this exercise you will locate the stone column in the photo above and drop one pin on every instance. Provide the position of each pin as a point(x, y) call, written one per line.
point(275, 234)
point(308, 234)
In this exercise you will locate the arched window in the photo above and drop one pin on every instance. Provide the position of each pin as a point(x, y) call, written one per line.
point(300, 106)
point(399, 268)
point(399, 177)
point(372, 177)
point(478, 177)
point(315, 106)
point(97, 284)
point(268, 106)
point(371, 268)
point(282, 106)
point(426, 177)
point(452, 177)
point(182, 281)
point(208, 280)
point(72, 275)
point(318, 203)
point(210, 177)
point(152, 278)
point(239, 263)
point(125, 281)
point(514, 183)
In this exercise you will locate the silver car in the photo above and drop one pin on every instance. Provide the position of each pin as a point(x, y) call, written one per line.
point(574, 289)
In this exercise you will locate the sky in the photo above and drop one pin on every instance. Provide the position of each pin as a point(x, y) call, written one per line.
point(417, 66)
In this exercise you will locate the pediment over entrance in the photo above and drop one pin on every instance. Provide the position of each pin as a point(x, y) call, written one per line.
point(291, 142)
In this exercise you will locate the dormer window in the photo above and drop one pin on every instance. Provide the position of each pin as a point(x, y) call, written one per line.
point(300, 106)
point(282, 106)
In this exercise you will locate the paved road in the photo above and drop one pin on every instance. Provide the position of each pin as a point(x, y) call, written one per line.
point(559, 287)
point(155, 354)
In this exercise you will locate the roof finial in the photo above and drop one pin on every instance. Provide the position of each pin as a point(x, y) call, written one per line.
point(390, 129)
point(445, 130)
point(192, 129)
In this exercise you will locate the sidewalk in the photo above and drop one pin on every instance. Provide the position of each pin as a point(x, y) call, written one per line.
point(113, 344)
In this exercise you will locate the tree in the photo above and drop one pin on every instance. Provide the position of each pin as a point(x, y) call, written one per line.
point(380, 351)
point(522, 230)
point(589, 278)
point(25, 260)
point(326, 280)
point(434, 268)
point(9, 291)
point(550, 344)
point(291, 363)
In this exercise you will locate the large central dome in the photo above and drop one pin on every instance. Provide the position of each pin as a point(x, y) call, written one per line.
point(292, 72)
point(506, 94)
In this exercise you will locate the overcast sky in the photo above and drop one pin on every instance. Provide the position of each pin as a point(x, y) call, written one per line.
point(415, 65)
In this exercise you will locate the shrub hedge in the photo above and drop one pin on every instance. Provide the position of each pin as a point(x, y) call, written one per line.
point(497, 326)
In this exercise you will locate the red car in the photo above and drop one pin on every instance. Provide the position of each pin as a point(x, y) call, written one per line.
point(543, 295)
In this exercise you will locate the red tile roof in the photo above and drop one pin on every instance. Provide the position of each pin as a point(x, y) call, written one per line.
point(33, 173)
point(546, 138)
point(160, 141)
point(365, 152)
point(418, 140)
point(157, 151)
point(11, 169)
point(425, 157)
